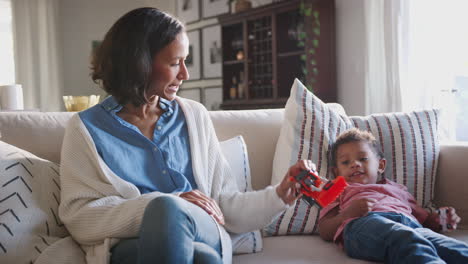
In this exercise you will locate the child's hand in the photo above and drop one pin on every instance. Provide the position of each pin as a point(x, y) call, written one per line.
point(448, 218)
point(288, 190)
point(359, 207)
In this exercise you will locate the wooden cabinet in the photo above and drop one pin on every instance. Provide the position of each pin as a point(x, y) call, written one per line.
point(265, 48)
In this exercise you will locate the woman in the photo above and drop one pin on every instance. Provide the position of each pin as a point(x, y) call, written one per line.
point(142, 173)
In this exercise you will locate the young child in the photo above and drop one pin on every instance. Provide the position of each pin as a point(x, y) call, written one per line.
point(379, 220)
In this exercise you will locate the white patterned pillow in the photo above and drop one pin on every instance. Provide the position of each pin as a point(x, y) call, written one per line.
point(409, 142)
point(29, 198)
point(235, 152)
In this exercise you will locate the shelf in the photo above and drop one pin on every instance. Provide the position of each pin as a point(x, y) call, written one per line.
point(236, 104)
point(233, 62)
point(290, 53)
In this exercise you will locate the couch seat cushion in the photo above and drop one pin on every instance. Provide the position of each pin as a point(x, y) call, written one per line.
point(308, 249)
point(297, 250)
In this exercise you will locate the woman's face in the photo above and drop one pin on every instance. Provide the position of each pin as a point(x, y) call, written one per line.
point(169, 70)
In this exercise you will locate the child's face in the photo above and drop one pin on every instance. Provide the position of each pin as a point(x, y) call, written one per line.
point(357, 163)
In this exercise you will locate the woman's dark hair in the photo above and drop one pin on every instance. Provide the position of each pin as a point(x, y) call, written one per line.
point(355, 135)
point(123, 62)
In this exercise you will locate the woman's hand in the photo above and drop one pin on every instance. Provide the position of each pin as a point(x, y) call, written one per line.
point(288, 190)
point(206, 203)
point(358, 208)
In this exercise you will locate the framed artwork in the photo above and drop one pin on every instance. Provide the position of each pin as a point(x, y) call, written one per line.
point(215, 7)
point(188, 10)
point(213, 98)
point(263, 2)
point(190, 93)
point(212, 56)
point(192, 61)
point(95, 44)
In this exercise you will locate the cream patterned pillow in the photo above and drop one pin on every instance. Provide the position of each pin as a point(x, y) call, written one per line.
point(409, 142)
point(235, 152)
point(29, 198)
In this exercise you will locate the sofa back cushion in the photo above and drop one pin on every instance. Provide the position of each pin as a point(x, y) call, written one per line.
point(260, 130)
point(36, 132)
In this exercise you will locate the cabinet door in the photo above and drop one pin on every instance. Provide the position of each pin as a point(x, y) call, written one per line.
point(290, 59)
point(260, 58)
point(234, 59)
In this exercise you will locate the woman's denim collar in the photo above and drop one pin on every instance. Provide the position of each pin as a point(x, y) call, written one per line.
point(111, 105)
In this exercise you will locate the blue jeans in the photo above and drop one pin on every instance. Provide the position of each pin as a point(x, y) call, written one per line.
point(395, 238)
point(172, 231)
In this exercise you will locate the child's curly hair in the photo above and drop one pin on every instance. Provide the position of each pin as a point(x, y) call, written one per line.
point(355, 135)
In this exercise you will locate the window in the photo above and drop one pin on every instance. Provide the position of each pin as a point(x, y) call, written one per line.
point(437, 62)
point(7, 65)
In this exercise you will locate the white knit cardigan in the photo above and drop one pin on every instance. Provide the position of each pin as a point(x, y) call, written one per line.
point(99, 208)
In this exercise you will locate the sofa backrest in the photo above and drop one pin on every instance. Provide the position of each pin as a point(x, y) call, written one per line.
point(260, 129)
point(41, 133)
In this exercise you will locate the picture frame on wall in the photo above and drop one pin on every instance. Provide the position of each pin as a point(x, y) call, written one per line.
point(95, 44)
point(193, 60)
point(213, 98)
point(212, 51)
point(188, 11)
point(213, 8)
point(191, 93)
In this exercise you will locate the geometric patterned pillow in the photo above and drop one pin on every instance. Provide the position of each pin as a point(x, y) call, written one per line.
point(29, 199)
point(409, 142)
point(235, 152)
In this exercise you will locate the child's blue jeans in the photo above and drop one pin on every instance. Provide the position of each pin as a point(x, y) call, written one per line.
point(396, 238)
point(172, 231)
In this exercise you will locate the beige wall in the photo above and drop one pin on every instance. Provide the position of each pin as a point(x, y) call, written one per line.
point(84, 21)
point(350, 55)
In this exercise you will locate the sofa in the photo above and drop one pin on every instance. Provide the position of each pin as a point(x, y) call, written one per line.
point(41, 134)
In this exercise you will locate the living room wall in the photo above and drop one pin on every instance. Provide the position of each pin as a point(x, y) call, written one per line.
point(85, 21)
point(350, 55)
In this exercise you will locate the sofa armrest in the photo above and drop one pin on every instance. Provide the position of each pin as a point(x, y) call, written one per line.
point(452, 179)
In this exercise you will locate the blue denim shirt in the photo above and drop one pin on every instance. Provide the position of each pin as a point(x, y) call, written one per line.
point(163, 164)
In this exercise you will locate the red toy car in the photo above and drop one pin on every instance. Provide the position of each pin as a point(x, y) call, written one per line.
point(316, 191)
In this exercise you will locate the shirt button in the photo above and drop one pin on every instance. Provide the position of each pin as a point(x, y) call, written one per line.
point(155, 148)
point(164, 172)
point(159, 127)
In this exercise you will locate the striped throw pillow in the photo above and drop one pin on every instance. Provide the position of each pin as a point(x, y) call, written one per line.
point(409, 142)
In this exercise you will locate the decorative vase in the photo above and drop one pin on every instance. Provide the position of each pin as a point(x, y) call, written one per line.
point(242, 5)
point(80, 103)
